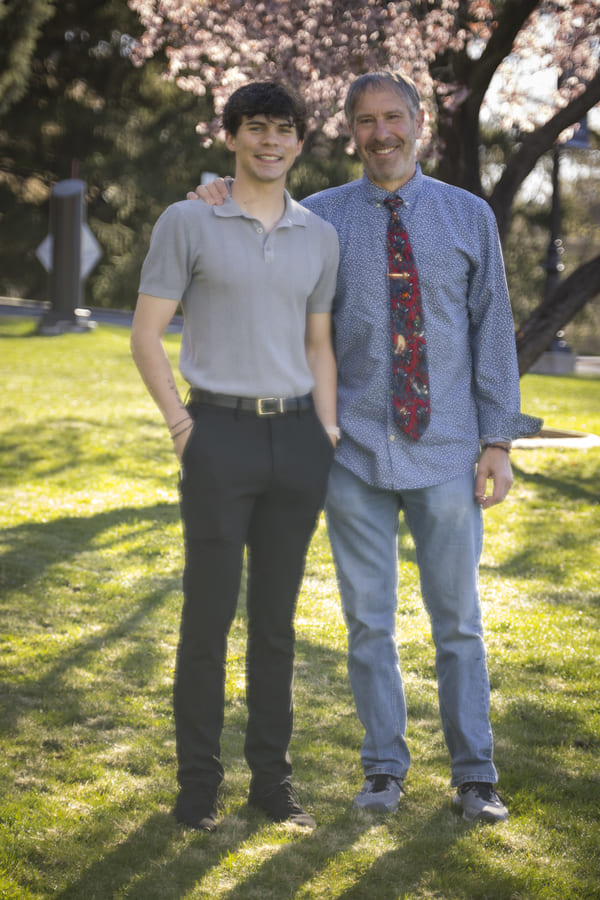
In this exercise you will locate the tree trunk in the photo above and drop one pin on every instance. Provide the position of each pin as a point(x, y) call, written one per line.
point(458, 122)
point(571, 295)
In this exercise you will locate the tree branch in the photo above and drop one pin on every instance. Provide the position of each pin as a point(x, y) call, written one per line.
point(532, 147)
point(510, 21)
point(571, 295)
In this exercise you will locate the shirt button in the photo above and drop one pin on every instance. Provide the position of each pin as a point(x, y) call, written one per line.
point(259, 230)
point(392, 437)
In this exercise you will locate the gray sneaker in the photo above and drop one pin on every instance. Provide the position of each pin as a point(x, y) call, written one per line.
point(479, 802)
point(379, 792)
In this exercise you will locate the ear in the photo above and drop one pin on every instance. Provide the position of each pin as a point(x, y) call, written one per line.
point(230, 141)
point(299, 150)
point(419, 122)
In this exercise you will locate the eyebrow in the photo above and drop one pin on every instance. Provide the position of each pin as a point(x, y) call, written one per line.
point(276, 120)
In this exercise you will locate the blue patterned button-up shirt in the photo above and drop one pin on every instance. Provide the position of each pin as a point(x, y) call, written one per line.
point(469, 331)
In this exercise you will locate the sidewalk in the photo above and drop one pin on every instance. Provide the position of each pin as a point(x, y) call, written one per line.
point(10, 306)
point(558, 437)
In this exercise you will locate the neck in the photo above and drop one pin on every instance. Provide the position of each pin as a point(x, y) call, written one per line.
point(392, 186)
point(265, 202)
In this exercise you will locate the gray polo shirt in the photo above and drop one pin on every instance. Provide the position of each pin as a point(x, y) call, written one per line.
point(245, 294)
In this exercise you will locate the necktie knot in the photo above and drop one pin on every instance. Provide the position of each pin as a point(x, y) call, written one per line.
point(393, 203)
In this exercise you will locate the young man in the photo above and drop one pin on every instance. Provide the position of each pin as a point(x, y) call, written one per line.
point(256, 279)
point(467, 395)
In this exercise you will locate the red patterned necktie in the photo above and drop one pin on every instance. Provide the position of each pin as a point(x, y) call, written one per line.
point(410, 376)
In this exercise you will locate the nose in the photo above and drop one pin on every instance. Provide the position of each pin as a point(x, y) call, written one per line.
point(381, 129)
point(270, 135)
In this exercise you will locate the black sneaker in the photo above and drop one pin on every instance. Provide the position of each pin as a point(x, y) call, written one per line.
point(197, 808)
point(479, 802)
point(281, 805)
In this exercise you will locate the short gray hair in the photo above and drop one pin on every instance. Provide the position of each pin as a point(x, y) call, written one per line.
point(400, 83)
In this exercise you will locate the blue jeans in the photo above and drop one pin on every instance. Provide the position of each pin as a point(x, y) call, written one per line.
point(446, 526)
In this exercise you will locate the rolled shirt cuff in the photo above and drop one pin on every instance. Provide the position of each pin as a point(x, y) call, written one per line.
point(518, 426)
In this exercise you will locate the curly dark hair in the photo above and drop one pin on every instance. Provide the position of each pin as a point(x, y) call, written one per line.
point(268, 98)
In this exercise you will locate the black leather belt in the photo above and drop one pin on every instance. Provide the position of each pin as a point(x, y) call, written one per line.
point(260, 406)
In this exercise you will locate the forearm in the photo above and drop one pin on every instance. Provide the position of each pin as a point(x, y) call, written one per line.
point(157, 374)
point(324, 371)
point(151, 318)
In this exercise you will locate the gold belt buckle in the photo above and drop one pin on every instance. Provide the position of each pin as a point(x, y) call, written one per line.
point(269, 406)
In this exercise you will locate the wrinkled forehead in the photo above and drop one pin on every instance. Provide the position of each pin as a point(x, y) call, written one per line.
point(372, 89)
point(379, 99)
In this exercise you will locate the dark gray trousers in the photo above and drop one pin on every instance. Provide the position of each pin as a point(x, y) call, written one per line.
point(257, 483)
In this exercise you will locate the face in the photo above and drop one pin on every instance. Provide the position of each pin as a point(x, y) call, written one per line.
point(265, 148)
point(386, 133)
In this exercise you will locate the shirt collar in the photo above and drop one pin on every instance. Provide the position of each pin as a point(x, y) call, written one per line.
point(293, 213)
point(408, 192)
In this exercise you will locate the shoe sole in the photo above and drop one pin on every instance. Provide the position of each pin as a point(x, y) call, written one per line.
point(375, 806)
point(205, 827)
point(486, 818)
point(302, 820)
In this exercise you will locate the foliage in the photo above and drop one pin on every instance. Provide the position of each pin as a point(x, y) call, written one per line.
point(214, 48)
point(128, 134)
point(90, 563)
point(20, 25)
point(460, 52)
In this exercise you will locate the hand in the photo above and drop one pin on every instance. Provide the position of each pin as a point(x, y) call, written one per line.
point(214, 193)
point(183, 436)
point(334, 434)
point(493, 465)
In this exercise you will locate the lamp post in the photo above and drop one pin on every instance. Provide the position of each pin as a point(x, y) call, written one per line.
point(579, 141)
point(555, 247)
point(558, 358)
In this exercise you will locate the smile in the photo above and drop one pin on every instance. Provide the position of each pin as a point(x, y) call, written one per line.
point(384, 151)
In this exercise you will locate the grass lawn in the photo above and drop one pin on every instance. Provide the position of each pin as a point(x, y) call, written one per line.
point(90, 565)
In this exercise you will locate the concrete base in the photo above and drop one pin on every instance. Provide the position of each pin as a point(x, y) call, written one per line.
point(53, 323)
point(554, 363)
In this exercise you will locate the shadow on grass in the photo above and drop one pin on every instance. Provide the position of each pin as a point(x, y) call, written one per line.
point(545, 727)
point(569, 485)
point(302, 859)
point(152, 853)
point(73, 446)
point(9, 329)
point(33, 546)
point(69, 705)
